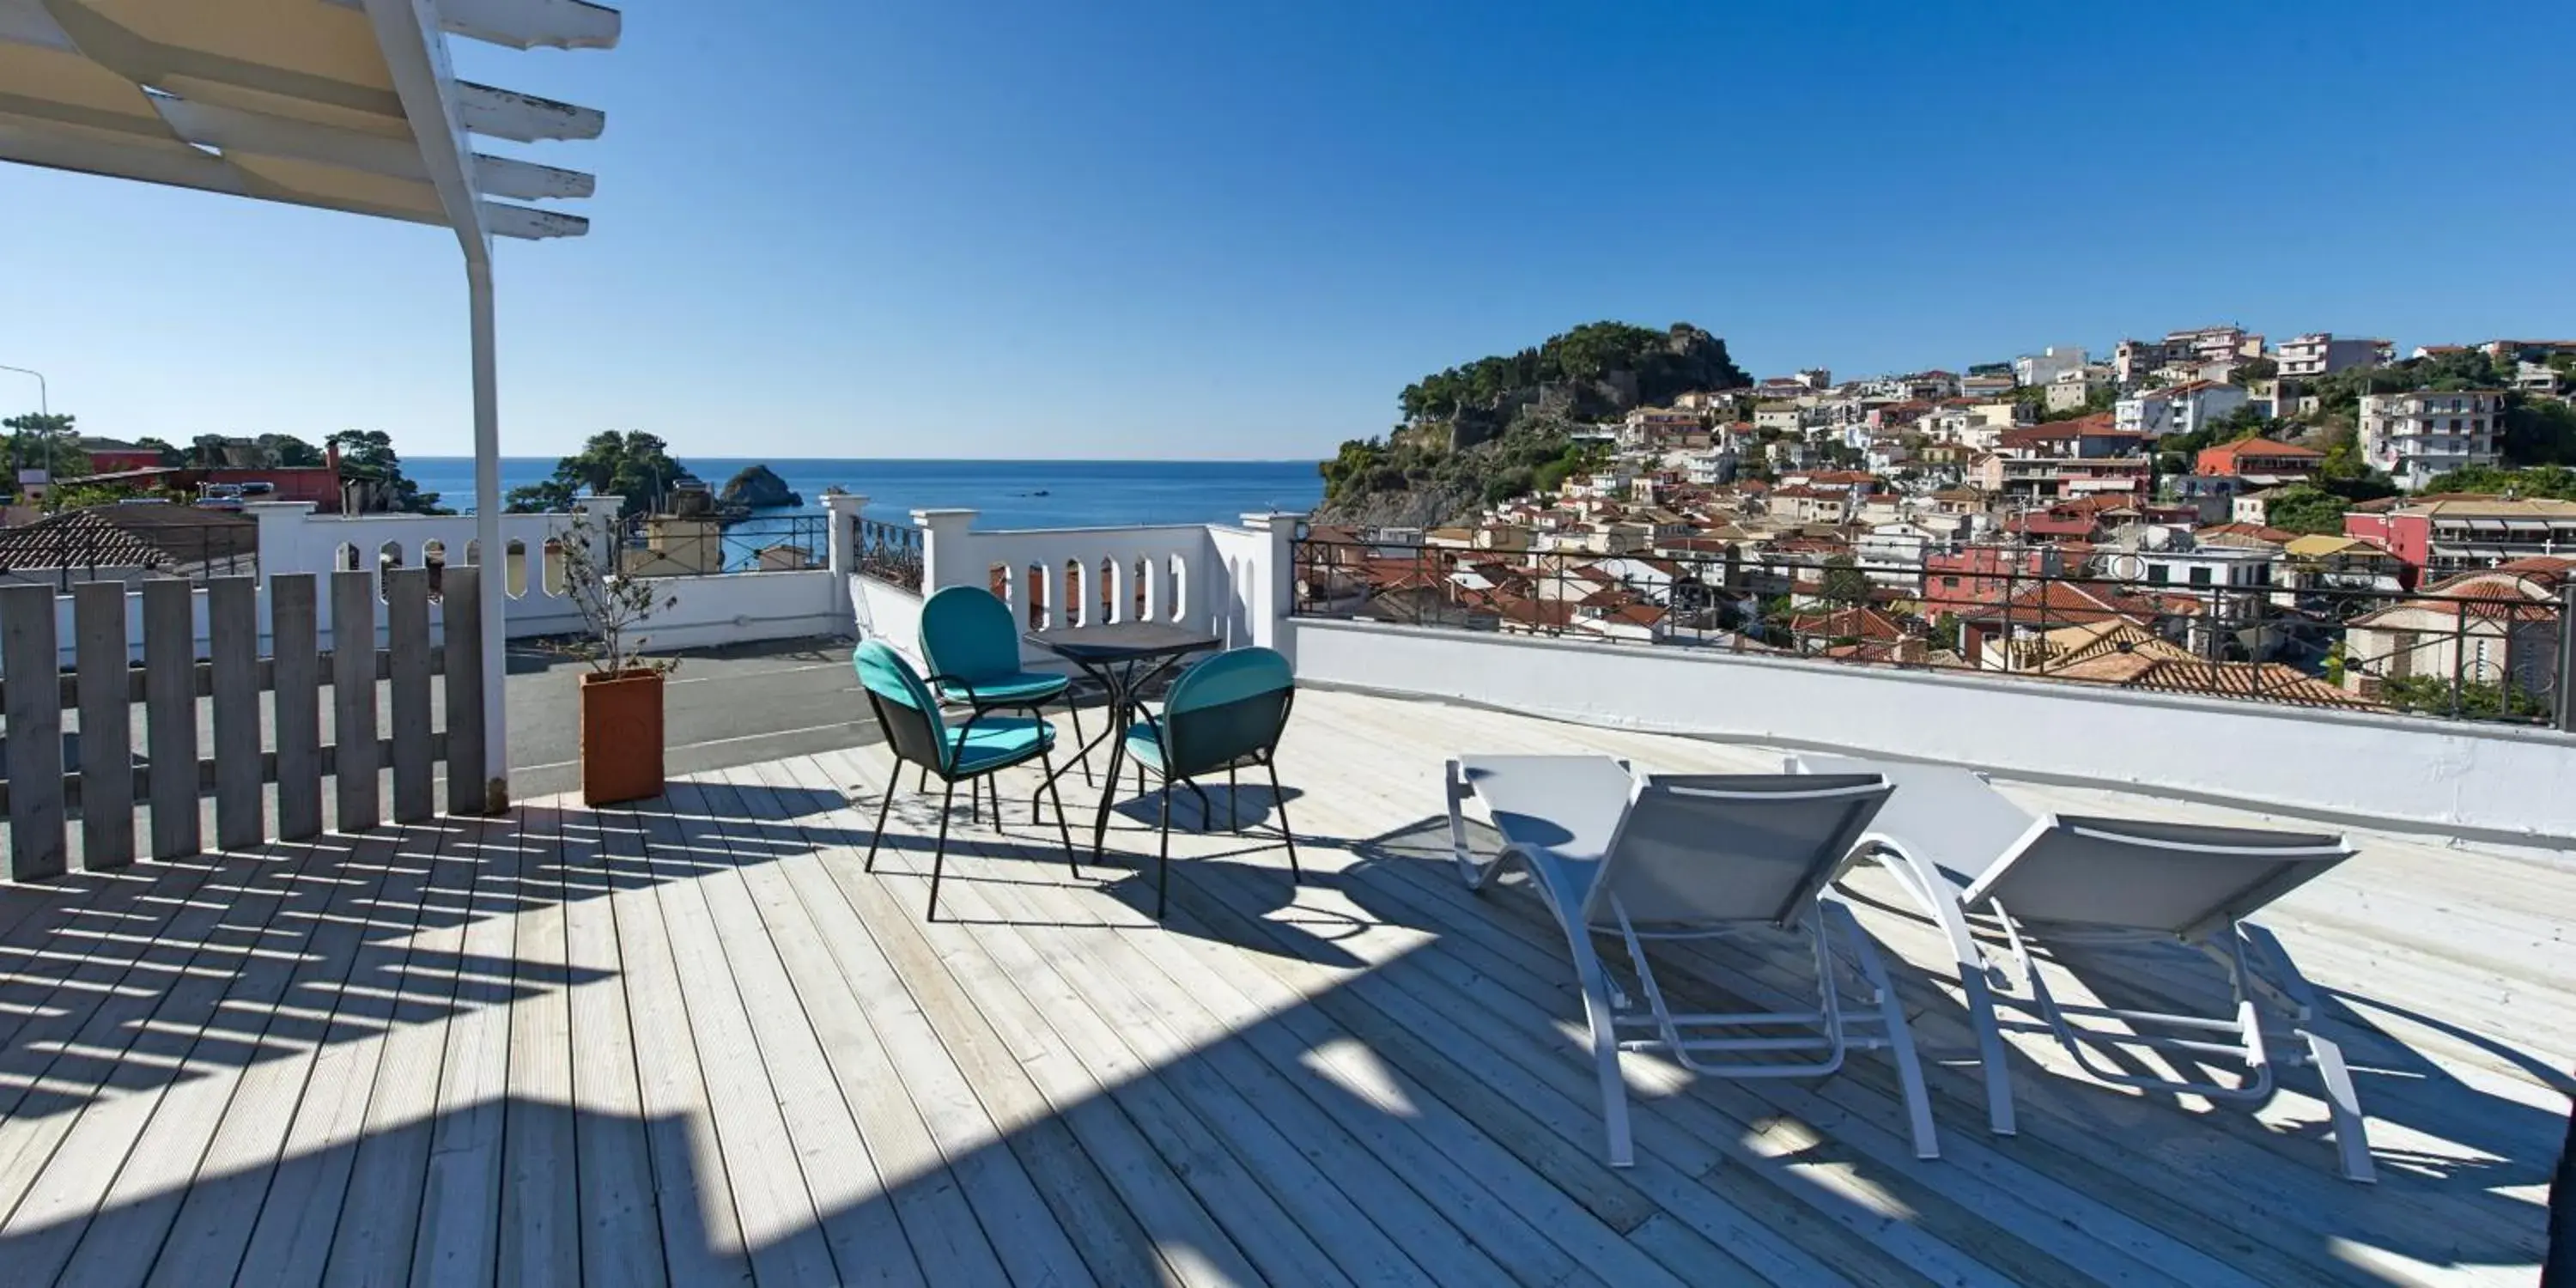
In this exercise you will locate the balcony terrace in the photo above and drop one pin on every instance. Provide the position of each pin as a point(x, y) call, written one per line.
point(692, 1041)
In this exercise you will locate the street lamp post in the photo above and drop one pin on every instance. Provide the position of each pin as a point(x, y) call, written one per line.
point(44, 408)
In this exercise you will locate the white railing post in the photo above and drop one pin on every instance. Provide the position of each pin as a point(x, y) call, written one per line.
point(596, 528)
point(949, 551)
point(841, 542)
point(1269, 583)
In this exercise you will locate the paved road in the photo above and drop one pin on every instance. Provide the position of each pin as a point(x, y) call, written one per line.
point(722, 707)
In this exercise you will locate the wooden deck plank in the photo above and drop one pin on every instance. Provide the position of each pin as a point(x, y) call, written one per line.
point(381, 1205)
point(540, 1233)
point(702, 1240)
point(114, 964)
point(1290, 1100)
point(459, 1229)
point(781, 1227)
point(886, 1208)
point(1037, 1196)
point(976, 1211)
point(1316, 1175)
point(241, 1059)
point(97, 1142)
point(621, 1238)
point(959, 987)
point(1281, 1246)
point(374, 906)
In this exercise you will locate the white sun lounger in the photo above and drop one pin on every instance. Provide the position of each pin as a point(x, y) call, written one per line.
point(1960, 849)
point(1690, 856)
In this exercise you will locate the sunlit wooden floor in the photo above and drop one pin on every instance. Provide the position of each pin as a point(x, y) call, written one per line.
point(692, 1042)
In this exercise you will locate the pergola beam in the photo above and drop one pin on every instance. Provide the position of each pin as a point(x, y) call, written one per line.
point(526, 24)
point(524, 118)
point(93, 152)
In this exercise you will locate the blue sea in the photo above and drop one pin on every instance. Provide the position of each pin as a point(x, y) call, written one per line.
point(1007, 494)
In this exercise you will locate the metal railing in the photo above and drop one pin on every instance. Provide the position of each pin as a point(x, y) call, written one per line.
point(2490, 646)
point(889, 552)
point(653, 546)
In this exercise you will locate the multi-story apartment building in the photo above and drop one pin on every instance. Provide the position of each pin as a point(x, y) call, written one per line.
point(2453, 534)
point(2035, 369)
point(2134, 359)
point(2319, 353)
point(2178, 409)
point(2417, 437)
point(2071, 389)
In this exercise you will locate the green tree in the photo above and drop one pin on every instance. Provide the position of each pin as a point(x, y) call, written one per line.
point(286, 451)
point(634, 465)
point(2304, 507)
point(2554, 482)
point(1844, 583)
point(171, 455)
point(38, 441)
point(2436, 695)
point(367, 456)
point(2539, 431)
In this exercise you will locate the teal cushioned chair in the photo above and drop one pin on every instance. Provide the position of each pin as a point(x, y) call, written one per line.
point(968, 637)
point(907, 709)
point(1223, 713)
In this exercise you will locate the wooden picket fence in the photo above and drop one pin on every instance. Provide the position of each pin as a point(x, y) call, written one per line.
point(107, 784)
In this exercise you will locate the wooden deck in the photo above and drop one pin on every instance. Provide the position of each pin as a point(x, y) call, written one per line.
point(694, 1043)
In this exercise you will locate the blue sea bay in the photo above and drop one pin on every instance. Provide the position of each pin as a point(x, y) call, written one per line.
point(1007, 494)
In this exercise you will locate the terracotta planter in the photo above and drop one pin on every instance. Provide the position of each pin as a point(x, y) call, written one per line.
point(621, 736)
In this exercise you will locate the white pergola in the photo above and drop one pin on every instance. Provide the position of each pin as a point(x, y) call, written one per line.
point(342, 104)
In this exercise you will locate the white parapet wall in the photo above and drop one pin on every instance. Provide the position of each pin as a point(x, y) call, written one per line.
point(2485, 781)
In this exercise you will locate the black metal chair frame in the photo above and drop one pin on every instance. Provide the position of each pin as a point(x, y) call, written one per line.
point(948, 795)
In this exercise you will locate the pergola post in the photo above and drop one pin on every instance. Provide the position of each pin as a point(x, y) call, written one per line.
point(493, 586)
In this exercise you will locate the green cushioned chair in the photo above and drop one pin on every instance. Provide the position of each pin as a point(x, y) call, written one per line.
point(1226, 712)
point(968, 637)
point(907, 709)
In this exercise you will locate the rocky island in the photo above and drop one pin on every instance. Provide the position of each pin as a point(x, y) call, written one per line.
point(757, 487)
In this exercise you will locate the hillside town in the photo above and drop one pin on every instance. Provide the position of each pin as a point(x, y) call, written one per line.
point(2317, 521)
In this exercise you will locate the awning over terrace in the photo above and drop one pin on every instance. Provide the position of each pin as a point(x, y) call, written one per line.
point(340, 104)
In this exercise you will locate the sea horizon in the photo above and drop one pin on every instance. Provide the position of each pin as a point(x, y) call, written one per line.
point(1006, 493)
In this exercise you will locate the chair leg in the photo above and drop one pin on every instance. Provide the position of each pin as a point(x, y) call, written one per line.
point(1163, 864)
point(1588, 972)
point(1233, 802)
point(1062, 828)
point(1079, 742)
point(939, 852)
point(974, 800)
point(883, 809)
point(1279, 800)
point(1891, 1017)
point(2352, 1141)
point(924, 784)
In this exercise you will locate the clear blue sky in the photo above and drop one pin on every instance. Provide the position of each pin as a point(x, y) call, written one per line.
point(1190, 229)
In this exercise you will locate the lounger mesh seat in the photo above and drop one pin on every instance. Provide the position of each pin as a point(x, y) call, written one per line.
point(1964, 852)
point(1688, 856)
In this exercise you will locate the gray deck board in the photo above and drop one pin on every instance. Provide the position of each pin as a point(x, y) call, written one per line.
point(690, 1041)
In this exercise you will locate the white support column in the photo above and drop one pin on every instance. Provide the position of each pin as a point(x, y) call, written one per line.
point(948, 551)
point(494, 584)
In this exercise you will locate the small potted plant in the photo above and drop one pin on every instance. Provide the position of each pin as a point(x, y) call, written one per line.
point(621, 694)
